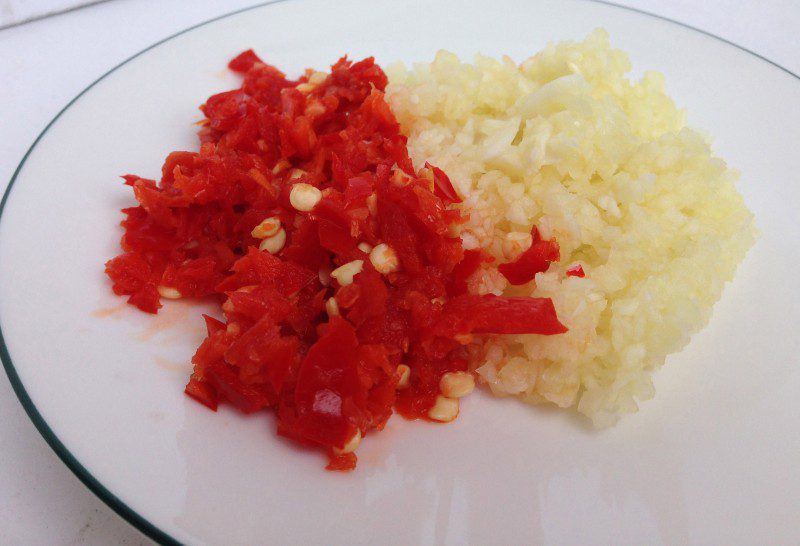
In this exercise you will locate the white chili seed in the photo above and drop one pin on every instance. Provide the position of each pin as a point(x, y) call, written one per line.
point(274, 244)
point(372, 204)
point(384, 259)
point(331, 307)
point(267, 228)
point(305, 87)
point(297, 173)
point(169, 292)
point(405, 376)
point(317, 78)
point(304, 197)
point(457, 384)
point(281, 166)
point(344, 274)
point(444, 410)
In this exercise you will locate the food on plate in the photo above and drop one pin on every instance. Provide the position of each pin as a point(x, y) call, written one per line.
point(341, 278)
point(382, 244)
point(648, 221)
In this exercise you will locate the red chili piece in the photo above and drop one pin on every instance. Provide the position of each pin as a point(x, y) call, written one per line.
point(535, 260)
point(576, 271)
point(442, 187)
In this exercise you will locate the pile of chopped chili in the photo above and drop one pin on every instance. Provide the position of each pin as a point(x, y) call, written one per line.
point(342, 288)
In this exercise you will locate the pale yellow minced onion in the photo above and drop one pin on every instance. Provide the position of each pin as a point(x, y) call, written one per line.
point(607, 167)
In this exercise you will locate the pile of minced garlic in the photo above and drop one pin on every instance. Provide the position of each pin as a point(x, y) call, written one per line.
point(605, 166)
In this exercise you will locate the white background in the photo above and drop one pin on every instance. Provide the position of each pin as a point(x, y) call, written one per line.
point(44, 64)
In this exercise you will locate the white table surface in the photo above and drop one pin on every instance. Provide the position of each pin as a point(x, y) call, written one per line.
point(45, 63)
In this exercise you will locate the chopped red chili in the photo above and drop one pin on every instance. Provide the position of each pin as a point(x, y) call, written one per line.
point(442, 187)
point(328, 371)
point(535, 260)
point(576, 271)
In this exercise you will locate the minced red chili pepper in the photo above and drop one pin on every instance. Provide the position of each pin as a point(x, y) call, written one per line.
point(575, 271)
point(534, 260)
point(329, 369)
